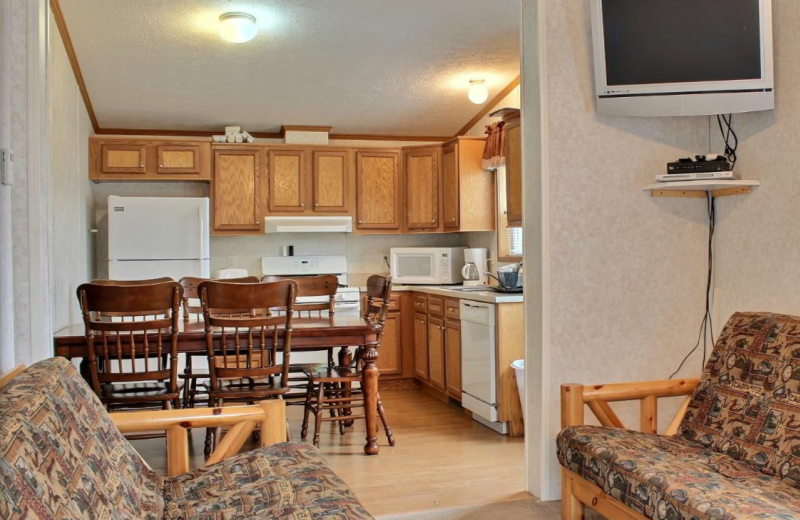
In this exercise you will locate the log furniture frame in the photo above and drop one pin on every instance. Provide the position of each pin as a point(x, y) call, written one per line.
point(271, 415)
point(576, 492)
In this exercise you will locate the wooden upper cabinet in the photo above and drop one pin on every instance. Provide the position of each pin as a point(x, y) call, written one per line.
point(178, 159)
point(378, 190)
point(450, 210)
point(123, 158)
point(137, 159)
point(514, 172)
point(331, 181)
point(423, 181)
point(287, 174)
point(468, 189)
point(237, 190)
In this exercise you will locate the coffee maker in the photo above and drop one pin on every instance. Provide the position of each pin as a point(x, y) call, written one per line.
point(475, 266)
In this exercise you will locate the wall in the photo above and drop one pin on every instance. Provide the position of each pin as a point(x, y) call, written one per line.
point(72, 203)
point(364, 252)
point(622, 274)
point(757, 236)
point(24, 255)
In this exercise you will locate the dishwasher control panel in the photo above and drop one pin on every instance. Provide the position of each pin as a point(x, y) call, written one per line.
point(477, 312)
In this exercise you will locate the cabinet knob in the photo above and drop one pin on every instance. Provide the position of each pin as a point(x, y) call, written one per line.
point(360, 221)
point(160, 165)
point(316, 204)
point(141, 166)
point(302, 205)
point(433, 221)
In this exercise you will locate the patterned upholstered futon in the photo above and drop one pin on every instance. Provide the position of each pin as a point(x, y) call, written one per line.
point(737, 453)
point(63, 458)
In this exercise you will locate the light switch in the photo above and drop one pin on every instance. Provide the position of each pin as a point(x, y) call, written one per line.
point(6, 167)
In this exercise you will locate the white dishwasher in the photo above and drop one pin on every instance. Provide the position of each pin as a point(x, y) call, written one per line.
point(479, 363)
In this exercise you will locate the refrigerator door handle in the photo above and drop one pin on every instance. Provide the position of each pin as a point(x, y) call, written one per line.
point(202, 236)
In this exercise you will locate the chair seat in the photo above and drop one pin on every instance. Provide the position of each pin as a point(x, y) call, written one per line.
point(333, 375)
point(195, 375)
point(286, 481)
point(156, 390)
point(295, 368)
point(672, 478)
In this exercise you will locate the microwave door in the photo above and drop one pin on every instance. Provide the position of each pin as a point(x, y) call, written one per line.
point(416, 268)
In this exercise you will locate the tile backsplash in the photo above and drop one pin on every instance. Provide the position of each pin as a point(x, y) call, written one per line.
point(365, 253)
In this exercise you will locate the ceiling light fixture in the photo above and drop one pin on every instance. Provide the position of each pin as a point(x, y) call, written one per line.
point(478, 93)
point(237, 27)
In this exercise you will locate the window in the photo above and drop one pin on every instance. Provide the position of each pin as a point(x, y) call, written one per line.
point(509, 239)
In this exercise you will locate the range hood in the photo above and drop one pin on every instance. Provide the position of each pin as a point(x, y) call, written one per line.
point(308, 224)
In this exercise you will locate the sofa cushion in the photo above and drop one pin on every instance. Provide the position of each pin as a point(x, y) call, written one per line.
point(288, 480)
point(747, 404)
point(62, 457)
point(672, 478)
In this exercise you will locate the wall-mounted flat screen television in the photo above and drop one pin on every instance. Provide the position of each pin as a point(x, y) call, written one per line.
point(682, 57)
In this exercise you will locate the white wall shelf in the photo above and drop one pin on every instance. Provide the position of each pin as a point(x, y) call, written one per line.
point(698, 189)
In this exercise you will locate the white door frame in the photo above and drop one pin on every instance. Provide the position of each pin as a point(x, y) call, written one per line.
point(39, 259)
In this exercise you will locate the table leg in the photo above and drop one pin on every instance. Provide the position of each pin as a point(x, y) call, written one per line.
point(369, 385)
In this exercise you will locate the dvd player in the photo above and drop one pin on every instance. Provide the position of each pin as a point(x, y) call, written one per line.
point(700, 176)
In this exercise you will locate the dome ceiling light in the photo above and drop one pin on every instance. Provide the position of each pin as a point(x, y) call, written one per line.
point(478, 93)
point(237, 27)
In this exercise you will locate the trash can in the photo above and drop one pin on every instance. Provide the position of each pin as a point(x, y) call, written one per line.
point(519, 369)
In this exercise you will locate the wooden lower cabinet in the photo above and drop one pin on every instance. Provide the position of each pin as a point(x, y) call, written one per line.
point(436, 361)
point(421, 346)
point(452, 355)
point(390, 355)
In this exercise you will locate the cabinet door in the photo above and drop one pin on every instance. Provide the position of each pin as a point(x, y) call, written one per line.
point(378, 190)
point(451, 188)
point(286, 181)
point(514, 174)
point(179, 159)
point(237, 190)
point(124, 158)
point(420, 346)
point(422, 188)
point(331, 182)
point(452, 345)
point(390, 354)
point(436, 364)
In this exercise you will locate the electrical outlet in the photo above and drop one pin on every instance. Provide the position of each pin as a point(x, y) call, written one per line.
point(6, 167)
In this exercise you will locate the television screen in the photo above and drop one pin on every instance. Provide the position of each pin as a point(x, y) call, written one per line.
point(681, 41)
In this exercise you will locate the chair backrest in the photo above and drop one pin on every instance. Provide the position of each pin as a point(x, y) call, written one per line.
point(148, 281)
point(63, 457)
point(129, 323)
point(190, 284)
point(248, 342)
point(747, 404)
point(323, 285)
point(379, 291)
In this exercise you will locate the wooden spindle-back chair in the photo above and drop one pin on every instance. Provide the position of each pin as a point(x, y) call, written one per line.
point(132, 335)
point(190, 297)
point(331, 389)
point(308, 286)
point(242, 363)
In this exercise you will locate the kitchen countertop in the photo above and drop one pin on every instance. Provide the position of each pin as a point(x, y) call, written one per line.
point(487, 296)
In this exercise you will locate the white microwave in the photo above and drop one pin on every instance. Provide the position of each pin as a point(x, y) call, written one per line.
point(427, 265)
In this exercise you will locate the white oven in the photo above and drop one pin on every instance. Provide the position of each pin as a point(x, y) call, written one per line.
point(427, 265)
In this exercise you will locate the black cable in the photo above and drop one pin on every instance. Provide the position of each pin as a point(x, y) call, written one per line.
point(706, 325)
point(730, 150)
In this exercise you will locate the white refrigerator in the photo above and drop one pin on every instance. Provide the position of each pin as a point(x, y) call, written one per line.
point(151, 237)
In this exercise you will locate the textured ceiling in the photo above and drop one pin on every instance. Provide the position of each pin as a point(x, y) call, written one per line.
point(361, 66)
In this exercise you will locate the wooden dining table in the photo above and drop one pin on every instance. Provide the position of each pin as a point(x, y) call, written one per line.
point(341, 331)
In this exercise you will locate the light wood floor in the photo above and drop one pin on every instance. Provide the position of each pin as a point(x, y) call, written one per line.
point(442, 459)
